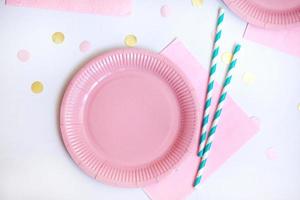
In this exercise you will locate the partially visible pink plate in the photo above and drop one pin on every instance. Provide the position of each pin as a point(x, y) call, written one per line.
point(267, 13)
point(128, 117)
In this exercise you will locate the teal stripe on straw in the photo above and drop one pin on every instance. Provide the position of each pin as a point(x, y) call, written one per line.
point(217, 114)
point(205, 120)
point(212, 131)
point(220, 19)
point(223, 96)
point(215, 53)
point(213, 69)
point(210, 86)
point(227, 81)
point(200, 153)
point(203, 137)
point(232, 64)
point(197, 181)
point(202, 164)
point(237, 48)
point(218, 35)
point(208, 102)
point(207, 147)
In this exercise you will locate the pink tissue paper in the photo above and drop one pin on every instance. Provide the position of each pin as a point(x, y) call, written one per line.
point(286, 40)
point(102, 7)
point(231, 136)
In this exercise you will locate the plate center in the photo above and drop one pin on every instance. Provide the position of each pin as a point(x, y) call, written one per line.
point(132, 117)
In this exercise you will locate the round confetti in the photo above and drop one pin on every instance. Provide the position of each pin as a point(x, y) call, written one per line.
point(197, 3)
point(248, 78)
point(85, 46)
point(58, 37)
point(299, 106)
point(271, 153)
point(37, 87)
point(130, 40)
point(165, 11)
point(23, 55)
point(226, 57)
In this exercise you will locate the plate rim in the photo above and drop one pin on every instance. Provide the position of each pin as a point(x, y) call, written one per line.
point(240, 12)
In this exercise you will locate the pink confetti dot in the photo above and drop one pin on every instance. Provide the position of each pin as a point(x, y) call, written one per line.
point(85, 46)
point(271, 153)
point(23, 55)
point(165, 11)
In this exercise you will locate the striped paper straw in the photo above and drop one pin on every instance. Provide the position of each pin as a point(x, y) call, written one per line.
point(211, 80)
point(217, 115)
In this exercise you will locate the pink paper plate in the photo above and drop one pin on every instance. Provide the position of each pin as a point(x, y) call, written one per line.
point(128, 117)
point(267, 13)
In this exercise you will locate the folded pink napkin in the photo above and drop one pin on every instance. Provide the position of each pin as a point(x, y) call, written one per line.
point(286, 40)
point(234, 130)
point(103, 7)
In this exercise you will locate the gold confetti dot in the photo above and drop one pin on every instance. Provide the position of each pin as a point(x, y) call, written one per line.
point(197, 3)
point(37, 87)
point(248, 78)
point(226, 57)
point(58, 37)
point(299, 106)
point(130, 40)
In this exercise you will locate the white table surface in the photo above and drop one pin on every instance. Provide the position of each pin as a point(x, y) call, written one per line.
point(33, 161)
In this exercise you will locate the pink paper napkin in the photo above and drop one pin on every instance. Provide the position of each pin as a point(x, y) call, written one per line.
point(286, 40)
point(234, 130)
point(103, 7)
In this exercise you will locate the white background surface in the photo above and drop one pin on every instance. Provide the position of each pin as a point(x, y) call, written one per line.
point(33, 161)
